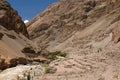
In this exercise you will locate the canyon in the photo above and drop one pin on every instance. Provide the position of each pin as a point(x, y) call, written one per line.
point(88, 31)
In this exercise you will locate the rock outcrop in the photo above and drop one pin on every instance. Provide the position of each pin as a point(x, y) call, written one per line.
point(13, 37)
point(10, 19)
point(116, 32)
point(3, 64)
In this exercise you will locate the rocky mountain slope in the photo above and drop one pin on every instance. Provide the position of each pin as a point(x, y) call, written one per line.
point(13, 37)
point(10, 19)
point(88, 30)
point(66, 22)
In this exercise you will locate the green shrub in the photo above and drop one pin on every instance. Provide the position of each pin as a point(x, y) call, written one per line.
point(53, 55)
point(58, 53)
point(49, 70)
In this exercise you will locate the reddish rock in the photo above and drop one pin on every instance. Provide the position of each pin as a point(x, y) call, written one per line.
point(3, 64)
point(10, 19)
point(13, 62)
point(22, 60)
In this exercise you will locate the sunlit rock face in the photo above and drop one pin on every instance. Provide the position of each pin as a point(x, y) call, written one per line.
point(63, 21)
point(13, 37)
point(10, 19)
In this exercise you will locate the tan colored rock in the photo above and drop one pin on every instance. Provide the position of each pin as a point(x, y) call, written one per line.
point(62, 20)
point(13, 37)
point(116, 33)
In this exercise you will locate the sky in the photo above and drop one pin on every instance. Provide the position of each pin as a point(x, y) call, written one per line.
point(28, 9)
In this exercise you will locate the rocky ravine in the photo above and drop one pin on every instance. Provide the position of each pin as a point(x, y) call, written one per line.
point(88, 30)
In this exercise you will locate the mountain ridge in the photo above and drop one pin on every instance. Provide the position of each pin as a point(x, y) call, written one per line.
point(63, 19)
point(88, 31)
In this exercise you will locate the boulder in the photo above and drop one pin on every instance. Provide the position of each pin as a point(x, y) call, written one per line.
point(116, 35)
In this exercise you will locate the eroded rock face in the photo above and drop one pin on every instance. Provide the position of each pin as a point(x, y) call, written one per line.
point(10, 19)
point(64, 18)
point(13, 37)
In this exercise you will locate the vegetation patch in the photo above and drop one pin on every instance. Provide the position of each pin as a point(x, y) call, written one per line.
point(53, 55)
point(49, 70)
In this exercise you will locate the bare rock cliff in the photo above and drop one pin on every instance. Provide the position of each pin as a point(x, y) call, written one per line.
point(10, 19)
point(13, 37)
